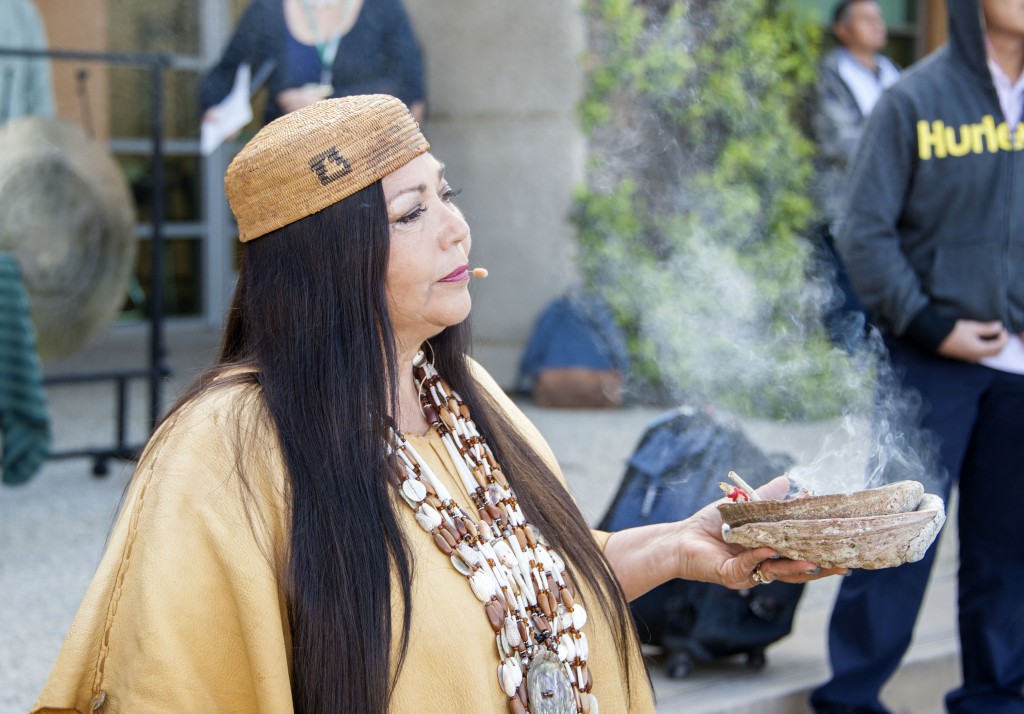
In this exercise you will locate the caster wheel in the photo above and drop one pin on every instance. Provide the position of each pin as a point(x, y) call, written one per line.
point(679, 666)
point(756, 660)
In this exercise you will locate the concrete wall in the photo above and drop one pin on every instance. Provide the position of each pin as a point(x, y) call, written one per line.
point(503, 81)
point(81, 25)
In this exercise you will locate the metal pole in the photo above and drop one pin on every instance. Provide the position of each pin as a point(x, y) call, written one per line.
point(157, 369)
point(138, 59)
point(122, 413)
point(216, 27)
point(156, 299)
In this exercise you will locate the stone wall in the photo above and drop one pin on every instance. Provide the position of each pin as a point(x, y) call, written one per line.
point(503, 80)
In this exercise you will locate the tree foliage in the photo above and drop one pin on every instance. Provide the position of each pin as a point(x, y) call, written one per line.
point(692, 219)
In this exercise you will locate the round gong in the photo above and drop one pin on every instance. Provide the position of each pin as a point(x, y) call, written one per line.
point(67, 215)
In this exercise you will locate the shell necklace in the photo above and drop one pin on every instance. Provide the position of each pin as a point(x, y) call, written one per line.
point(527, 597)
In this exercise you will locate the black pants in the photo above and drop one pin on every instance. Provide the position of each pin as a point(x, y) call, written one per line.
point(845, 317)
point(977, 415)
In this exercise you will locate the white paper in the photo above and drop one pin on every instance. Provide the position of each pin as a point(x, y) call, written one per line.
point(1011, 359)
point(233, 112)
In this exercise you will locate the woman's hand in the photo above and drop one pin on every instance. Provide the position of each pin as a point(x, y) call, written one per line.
point(704, 555)
point(693, 549)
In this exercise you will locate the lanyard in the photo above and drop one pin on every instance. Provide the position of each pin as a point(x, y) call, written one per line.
point(326, 49)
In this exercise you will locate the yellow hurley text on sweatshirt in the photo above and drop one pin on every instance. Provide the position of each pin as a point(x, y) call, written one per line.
point(936, 140)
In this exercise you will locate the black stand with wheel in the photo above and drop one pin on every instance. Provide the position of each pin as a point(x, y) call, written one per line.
point(156, 370)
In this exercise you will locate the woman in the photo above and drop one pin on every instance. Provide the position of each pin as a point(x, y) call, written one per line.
point(332, 520)
point(311, 49)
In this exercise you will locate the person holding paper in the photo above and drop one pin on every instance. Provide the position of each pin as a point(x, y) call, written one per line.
point(307, 50)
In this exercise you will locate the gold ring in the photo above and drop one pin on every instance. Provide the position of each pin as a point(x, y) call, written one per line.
point(758, 577)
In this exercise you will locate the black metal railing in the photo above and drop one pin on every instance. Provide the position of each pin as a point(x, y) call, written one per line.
point(156, 370)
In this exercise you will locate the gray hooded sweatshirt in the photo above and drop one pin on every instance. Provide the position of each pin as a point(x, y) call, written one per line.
point(934, 228)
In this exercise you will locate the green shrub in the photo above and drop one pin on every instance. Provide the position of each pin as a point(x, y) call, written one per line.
point(692, 221)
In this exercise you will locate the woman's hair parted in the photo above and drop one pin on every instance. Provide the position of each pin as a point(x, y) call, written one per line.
point(310, 321)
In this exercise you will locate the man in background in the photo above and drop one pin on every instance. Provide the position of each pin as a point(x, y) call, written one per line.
point(851, 78)
point(933, 237)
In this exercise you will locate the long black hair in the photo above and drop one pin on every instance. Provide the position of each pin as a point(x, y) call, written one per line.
point(309, 320)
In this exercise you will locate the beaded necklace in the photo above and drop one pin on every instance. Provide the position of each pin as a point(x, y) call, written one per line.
point(527, 597)
point(326, 46)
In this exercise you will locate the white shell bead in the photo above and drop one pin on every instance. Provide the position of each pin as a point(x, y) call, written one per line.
point(510, 677)
point(511, 632)
point(579, 616)
point(566, 618)
point(483, 585)
point(582, 648)
point(461, 565)
point(468, 554)
point(566, 649)
point(428, 517)
point(414, 489)
point(570, 643)
point(593, 704)
point(544, 558)
point(517, 670)
point(562, 618)
point(495, 575)
point(406, 459)
point(525, 567)
point(525, 588)
point(505, 681)
point(504, 555)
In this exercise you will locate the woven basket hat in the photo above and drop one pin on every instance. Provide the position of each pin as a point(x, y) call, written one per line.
point(304, 161)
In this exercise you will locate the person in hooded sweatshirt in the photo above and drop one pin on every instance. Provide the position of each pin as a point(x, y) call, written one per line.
point(933, 239)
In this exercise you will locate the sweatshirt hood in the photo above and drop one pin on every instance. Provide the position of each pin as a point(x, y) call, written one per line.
point(967, 37)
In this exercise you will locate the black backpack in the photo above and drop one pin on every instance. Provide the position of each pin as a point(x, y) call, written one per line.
point(674, 471)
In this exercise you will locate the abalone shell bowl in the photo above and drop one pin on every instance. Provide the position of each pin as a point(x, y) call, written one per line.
point(876, 528)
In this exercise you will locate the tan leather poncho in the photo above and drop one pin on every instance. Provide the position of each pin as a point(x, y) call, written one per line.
point(186, 611)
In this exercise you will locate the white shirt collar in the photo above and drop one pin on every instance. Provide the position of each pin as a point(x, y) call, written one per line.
point(1011, 94)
